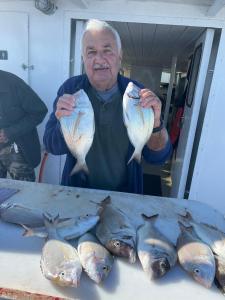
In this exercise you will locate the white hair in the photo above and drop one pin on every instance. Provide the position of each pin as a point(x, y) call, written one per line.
point(94, 24)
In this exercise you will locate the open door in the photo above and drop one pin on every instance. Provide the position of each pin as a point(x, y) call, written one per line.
point(198, 72)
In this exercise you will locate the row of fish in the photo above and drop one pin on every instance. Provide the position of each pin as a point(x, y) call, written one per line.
point(78, 128)
point(200, 248)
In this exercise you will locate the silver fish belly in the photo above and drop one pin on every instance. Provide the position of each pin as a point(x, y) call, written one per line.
point(59, 260)
point(78, 130)
point(95, 259)
point(195, 256)
point(157, 255)
point(139, 121)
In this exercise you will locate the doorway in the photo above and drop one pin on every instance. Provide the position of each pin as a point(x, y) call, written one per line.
point(149, 52)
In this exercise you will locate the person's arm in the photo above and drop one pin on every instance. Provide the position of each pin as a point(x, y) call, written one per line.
point(34, 110)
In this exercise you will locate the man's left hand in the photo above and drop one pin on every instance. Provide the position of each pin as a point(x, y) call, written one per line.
point(149, 99)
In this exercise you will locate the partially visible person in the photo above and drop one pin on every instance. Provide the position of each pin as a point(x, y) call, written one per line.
point(21, 110)
point(111, 149)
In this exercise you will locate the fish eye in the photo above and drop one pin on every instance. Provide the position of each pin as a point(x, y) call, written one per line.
point(105, 268)
point(196, 271)
point(117, 243)
point(87, 215)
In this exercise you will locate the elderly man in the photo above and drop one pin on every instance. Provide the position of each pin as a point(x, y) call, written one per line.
point(109, 153)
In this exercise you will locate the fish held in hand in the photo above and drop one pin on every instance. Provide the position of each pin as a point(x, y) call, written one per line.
point(59, 260)
point(116, 232)
point(95, 258)
point(138, 120)
point(156, 253)
point(78, 130)
point(195, 257)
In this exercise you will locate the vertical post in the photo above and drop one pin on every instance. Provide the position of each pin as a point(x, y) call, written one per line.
point(77, 48)
point(170, 89)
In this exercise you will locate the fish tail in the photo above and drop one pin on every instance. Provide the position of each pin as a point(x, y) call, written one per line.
point(27, 231)
point(150, 218)
point(80, 166)
point(50, 221)
point(136, 155)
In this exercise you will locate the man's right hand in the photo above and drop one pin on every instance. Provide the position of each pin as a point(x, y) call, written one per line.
point(65, 106)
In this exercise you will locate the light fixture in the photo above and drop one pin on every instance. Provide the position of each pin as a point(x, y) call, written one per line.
point(48, 7)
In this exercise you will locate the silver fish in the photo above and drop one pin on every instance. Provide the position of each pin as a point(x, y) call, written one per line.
point(220, 273)
point(19, 214)
point(116, 232)
point(78, 130)
point(208, 234)
point(195, 257)
point(59, 260)
point(157, 255)
point(138, 120)
point(95, 259)
point(68, 229)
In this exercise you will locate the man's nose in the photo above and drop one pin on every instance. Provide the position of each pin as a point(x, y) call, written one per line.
point(100, 56)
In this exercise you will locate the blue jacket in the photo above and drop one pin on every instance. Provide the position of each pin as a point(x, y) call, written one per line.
point(55, 144)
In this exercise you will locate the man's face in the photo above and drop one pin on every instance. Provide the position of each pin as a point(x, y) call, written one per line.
point(101, 58)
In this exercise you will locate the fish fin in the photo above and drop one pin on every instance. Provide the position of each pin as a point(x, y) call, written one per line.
point(50, 220)
point(185, 227)
point(150, 218)
point(76, 125)
point(27, 231)
point(136, 156)
point(103, 205)
point(79, 167)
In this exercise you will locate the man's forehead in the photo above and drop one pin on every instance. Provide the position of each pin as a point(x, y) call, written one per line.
point(103, 37)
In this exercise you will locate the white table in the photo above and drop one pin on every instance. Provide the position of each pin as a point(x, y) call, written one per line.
point(20, 256)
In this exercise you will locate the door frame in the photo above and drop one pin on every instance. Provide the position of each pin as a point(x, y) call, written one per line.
point(88, 14)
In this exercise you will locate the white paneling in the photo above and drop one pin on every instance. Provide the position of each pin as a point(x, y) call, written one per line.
point(208, 177)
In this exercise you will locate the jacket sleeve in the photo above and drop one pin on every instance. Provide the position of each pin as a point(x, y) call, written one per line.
point(53, 138)
point(34, 110)
point(158, 157)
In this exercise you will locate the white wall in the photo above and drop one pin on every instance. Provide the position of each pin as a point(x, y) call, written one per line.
point(208, 184)
point(49, 44)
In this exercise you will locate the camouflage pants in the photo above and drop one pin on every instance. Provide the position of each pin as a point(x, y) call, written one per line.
point(13, 162)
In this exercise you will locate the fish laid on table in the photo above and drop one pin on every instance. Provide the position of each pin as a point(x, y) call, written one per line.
point(220, 273)
point(95, 259)
point(138, 120)
point(156, 253)
point(19, 214)
point(78, 130)
point(195, 257)
point(59, 260)
point(68, 229)
point(116, 232)
point(208, 234)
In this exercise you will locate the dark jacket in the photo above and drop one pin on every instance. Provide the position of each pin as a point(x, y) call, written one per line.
point(55, 144)
point(21, 110)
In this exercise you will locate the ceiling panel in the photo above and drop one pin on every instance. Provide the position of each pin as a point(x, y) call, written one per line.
point(155, 45)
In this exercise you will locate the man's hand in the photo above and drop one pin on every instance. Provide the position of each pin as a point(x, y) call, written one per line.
point(3, 137)
point(65, 106)
point(149, 99)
